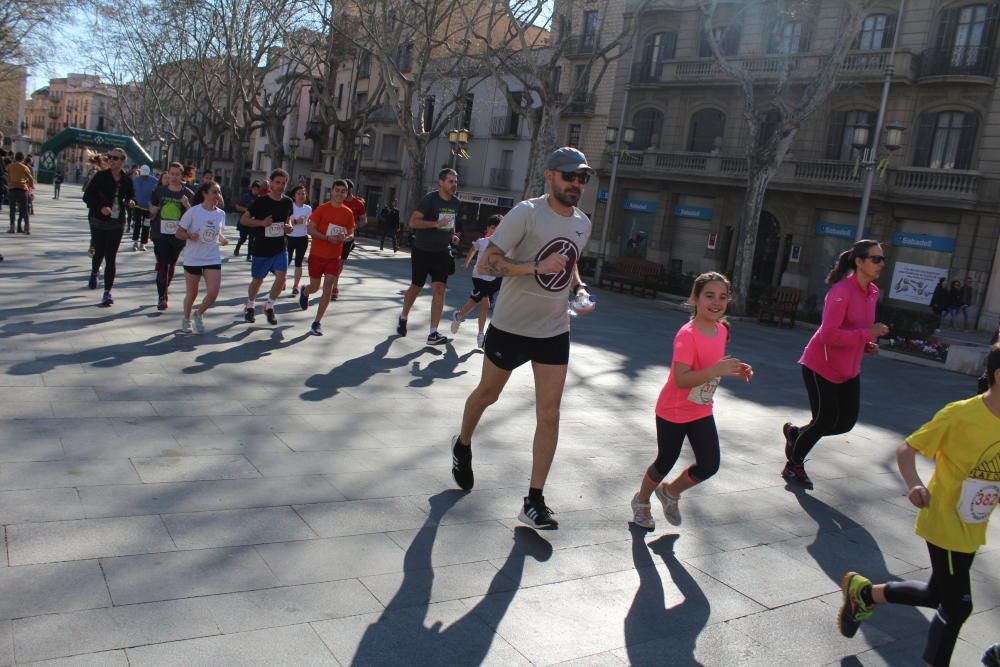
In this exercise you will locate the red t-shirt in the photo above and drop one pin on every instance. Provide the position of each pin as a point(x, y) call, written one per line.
point(691, 347)
point(324, 217)
point(357, 206)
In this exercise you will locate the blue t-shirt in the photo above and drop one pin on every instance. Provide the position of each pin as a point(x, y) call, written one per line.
point(143, 186)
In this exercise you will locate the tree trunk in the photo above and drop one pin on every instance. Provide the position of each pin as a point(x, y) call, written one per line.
point(757, 181)
point(415, 176)
point(543, 142)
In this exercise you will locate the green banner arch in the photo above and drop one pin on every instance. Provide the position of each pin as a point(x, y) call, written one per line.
point(48, 161)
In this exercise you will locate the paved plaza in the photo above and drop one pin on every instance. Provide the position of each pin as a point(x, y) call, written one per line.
point(261, 496)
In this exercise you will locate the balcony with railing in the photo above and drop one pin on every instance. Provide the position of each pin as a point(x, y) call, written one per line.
point(579, 104)
point(826, 176)
point(507, 126)
point(974, 62)
point(501, 178)
point(581, 46)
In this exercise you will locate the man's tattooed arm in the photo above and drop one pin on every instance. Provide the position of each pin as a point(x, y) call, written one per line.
point(494, 262)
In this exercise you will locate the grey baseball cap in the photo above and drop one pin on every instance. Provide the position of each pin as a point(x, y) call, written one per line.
point(567, 159)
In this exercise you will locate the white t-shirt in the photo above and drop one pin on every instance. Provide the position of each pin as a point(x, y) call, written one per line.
point(300, 219)
point(535, 306)
point(481, 246)
point(208, 224)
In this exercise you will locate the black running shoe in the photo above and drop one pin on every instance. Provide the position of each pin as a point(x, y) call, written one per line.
point(401, 327)
point(791, 434)
point(92, 283)
point(796, 472)
point(992, 656)
point(537, 515)
point(271, 317)
point(436, 339)
point(304, 300)
point(248, 315)
point(461, 465)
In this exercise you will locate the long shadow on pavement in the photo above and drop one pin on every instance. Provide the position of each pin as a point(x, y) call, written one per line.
point(401, 632)
point(247, 351)
point(652, 631)
point(443, 368)
point(354, 372)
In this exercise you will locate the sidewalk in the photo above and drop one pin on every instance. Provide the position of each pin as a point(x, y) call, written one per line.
point(260, 496)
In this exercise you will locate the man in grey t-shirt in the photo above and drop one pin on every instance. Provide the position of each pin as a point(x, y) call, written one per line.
point(536, 250)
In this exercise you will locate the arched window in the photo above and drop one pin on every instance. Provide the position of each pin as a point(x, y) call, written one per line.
point(877, 32)
point(659, 47)
point(728, 38)
point(965, 40)
point(789, 38)
point(648, 124)
point(706, 125)
point(839, 143)
point(946, 139)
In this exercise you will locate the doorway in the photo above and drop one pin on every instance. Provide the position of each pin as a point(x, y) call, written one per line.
point(765, 254)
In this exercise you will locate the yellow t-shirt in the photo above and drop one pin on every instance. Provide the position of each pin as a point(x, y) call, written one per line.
point(963, 439)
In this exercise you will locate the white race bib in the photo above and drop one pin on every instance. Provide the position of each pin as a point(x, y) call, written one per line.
point(209, 235)
point(703, 394)
point(335, 230)
point(449, 221)
point(168, 227)
point(115, 211)
point(274, 230)
point(978, 500)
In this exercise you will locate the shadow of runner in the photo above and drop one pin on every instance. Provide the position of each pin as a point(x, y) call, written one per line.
point(354, 372)
point(653, 631)
point(442, 368)
point(251, 351)
point(827, 551)
point(400, 635)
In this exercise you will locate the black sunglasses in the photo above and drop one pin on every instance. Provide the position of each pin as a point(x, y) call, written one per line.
point(876, 259)
point(581, 177)
point(116, 157)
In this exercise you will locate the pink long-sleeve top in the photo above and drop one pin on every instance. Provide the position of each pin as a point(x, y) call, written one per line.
point(836, 349)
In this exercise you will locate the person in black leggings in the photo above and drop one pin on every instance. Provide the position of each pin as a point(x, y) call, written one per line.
point(107, 196)
point(831, 362)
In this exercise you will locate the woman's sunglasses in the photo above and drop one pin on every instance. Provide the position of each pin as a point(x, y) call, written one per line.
point(876, 259)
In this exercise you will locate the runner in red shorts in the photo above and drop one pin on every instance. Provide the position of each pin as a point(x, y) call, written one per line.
point(330, 225)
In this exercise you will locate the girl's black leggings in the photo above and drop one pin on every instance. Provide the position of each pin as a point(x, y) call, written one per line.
point(834, 410)
point(949, 590)
point(704, 439)
point(297, 249)
point(106, 242)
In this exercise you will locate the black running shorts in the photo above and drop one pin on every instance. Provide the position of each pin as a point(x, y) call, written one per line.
point(508, 351)
point(437, 265)
point(200, 270)
point(484, 289)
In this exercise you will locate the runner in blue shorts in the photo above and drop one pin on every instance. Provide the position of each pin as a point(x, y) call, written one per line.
point(269, 218)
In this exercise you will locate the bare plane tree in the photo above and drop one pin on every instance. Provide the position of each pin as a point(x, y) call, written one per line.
point(775, 101)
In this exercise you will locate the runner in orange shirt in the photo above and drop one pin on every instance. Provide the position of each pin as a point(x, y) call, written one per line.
point(330, 225)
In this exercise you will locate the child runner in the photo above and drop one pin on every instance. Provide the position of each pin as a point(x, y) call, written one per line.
point(831, 362)
point(963, 440)
point(331, 225)
point(201, 227)
point(684, 408)
point(298, 238)
point(483, 286)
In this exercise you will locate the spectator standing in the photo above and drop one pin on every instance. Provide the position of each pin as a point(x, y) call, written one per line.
point(388, 219)
point(19, 182)
point(954, 302)
point(966, 301)
point(939, 300)
point(57, 185)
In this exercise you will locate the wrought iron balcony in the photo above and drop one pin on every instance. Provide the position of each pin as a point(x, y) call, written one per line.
point(581, 46)
point(580, 104)
point(507, 126)
point(977, 61)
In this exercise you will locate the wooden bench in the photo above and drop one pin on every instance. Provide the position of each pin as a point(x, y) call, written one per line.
point(631, 272)
point(782, 303)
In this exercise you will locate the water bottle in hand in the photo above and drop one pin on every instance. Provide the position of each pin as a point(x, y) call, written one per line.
point(580, 302)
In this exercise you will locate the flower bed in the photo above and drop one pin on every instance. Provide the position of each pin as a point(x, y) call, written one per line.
point(918, 347)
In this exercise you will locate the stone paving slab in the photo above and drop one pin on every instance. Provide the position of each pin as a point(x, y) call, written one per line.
point(102, 659)
point(282, 517)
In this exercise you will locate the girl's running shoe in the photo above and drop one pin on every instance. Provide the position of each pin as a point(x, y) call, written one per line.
point(854, 609)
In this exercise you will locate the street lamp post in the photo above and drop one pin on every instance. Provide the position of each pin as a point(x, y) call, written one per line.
point(164, 152)
point(360, 143)
point(459, 140)
point(616, 139)
point(293, 149)
point(865, 142)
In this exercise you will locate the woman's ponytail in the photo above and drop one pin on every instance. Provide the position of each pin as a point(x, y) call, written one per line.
point(845, 262)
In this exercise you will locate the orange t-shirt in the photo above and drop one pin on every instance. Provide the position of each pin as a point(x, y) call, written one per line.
point(325, 216)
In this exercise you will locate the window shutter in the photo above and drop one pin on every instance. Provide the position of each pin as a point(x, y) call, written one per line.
point(967, 142)
point(704, 50)
point(836, 133)
point(925, 140)
point(805, 41)
point(946, 28)
point(668, 47)
point(989, 40)
point(731, 40)
point(890, 31)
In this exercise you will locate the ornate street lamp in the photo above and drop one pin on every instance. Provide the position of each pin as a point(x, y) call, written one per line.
point(459, 140)
point(293, 149)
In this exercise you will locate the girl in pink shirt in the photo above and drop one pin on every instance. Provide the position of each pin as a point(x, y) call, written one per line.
point(684, 408)
point(831, 362)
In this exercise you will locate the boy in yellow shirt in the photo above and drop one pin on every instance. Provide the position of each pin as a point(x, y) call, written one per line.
point(963, 439)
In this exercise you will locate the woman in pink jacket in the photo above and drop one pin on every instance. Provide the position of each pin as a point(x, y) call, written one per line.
point(831, 363)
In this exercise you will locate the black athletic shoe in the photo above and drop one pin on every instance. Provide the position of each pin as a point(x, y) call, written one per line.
point(796, 472)
point(92, 283)
point(304, 300)
point(248, 315)
point(537, 515)
point(791, 434)
point(401, 327)
point(461, 465)
point(271, 317)
point(436, 339)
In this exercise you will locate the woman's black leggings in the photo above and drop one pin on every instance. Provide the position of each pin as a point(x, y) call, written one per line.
point(106, 242)
point(297, 249)
point(949, 590)
point(834, 410)
point(704, 439)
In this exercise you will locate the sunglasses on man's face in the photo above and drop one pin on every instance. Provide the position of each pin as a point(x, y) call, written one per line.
point(876, 259)
point(580, 177)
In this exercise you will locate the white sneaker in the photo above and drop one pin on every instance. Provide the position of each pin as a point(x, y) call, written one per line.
point(480, 340)
point(135, 247)
point(199, 324)
point(142, 247)
point(185, 325)
point(456, 322)
point(641, 515)
point(671, 505)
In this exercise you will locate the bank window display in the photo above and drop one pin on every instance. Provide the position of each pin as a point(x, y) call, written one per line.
point(921, 255)
point(691, 227)
point(639, 222)
point(834, 231)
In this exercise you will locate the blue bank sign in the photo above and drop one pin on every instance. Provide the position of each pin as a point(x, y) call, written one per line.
point(835, 230)
point(696, 212)
point(923, 242)
point(640, 205)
